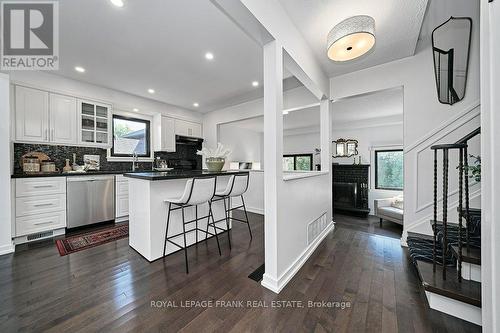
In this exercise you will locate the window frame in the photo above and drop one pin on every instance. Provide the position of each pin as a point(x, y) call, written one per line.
point(295, 161)
point(147, 122)
point(376, 169)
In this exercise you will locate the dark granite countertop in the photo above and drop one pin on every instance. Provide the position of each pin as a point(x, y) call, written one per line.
point(70, 174)
point(179, 174)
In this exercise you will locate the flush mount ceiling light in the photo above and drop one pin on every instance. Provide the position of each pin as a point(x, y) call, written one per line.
point(117, 3)
point(351, 38)
point(209, 56)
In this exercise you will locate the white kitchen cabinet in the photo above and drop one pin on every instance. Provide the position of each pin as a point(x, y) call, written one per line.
point(32, 114)
point(63, 117)
point(121, 198)
point(40, 205)
point(94, 124)
point(164, 133)
point(187, 128)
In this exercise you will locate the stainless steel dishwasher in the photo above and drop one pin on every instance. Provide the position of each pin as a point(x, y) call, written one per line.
point(90, 199)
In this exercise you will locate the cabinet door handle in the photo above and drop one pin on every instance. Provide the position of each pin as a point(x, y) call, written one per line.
point(42, 186)
point(43, 205)
point(41, 223)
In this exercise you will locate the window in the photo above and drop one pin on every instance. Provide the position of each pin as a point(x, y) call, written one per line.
point(298, 162)
point(130, 135)
point(389, 169)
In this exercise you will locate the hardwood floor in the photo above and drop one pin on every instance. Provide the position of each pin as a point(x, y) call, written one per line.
point(112, 288)
point(370, 224)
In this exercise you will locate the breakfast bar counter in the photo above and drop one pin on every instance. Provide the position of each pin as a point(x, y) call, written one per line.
point(148, 211)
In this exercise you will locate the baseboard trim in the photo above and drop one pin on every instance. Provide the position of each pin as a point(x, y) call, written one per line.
point(6, 249)
point(277, 285)
point(454, 308)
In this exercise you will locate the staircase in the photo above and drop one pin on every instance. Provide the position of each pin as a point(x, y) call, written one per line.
point(448, 262)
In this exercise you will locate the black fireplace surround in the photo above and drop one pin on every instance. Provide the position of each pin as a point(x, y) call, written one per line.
point(350, 188)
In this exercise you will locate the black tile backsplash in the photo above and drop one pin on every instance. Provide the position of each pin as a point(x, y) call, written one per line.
point(59, 154)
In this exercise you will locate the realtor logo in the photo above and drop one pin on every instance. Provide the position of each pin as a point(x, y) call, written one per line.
point(29, 35)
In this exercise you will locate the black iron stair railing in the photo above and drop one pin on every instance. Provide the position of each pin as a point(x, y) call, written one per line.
point(463, 186)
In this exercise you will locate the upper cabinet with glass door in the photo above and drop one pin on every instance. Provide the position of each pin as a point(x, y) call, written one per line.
point(94, 124)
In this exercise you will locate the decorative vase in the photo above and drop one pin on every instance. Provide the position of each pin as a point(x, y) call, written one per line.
point(215, 164)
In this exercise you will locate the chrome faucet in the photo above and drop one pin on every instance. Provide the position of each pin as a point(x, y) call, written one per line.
point(134, 160)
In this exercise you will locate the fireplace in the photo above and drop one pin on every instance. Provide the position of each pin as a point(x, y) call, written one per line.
point(345, 195)
point(350, 189)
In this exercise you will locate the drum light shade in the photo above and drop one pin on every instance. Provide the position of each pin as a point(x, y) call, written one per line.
point(351, 38)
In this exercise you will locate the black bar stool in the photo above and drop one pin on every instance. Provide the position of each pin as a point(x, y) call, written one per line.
point(197, 191)
point(236, 187)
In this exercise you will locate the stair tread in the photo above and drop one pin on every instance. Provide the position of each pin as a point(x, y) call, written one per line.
point(466, 291)
point(472, 256)
point(419, 235)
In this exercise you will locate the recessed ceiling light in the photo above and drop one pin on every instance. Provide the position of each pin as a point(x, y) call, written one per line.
point(209, 56)
point(255, 83)
point(151, 91)
point(196, 104)
point(117, 3)
point(135, 109)
point(80, 69)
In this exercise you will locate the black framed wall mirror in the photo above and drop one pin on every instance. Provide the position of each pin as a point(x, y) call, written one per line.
point(451, 49)
point(345, 148)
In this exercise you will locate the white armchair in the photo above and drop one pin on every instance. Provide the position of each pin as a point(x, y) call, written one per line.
point(390, 209)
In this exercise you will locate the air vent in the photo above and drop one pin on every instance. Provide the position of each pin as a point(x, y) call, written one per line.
point(315, 228)
point(40, 235)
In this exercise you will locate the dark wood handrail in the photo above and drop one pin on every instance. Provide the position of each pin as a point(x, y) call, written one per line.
point(469, 136)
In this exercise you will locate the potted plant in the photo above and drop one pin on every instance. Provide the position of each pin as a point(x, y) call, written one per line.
point(476, 168)
point(214, 158)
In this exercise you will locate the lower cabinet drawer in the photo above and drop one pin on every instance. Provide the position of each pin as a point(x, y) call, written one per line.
point(122, 188)
point(40, 204)
point(41, 222)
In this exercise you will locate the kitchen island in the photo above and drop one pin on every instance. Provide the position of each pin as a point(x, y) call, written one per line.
point(148, 211)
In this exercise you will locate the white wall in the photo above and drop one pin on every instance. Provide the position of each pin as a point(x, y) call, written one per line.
point(426, 121)
point(5, 188)
point(245, 145)
point(291, 99)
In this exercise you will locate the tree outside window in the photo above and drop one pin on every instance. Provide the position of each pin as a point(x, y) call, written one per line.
point(389, 169)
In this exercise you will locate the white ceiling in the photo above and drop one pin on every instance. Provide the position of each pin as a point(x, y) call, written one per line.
point(367, 110)
point(397, 28)
point(161, 45)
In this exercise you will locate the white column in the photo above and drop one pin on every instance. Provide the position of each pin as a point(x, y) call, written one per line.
point(273, 155)
point(490, 159)
point(5, 194)
point(326, 144)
